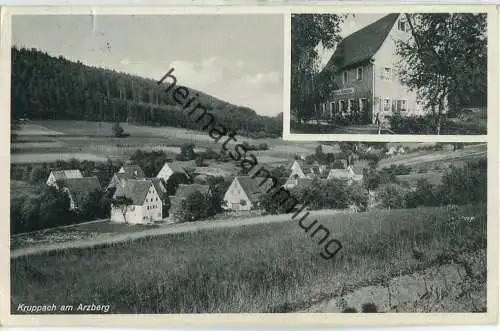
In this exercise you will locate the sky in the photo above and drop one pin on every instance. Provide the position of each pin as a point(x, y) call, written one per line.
point(237, 58)
point(351, 24)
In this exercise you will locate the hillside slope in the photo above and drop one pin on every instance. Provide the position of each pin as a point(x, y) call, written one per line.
point(48, 87)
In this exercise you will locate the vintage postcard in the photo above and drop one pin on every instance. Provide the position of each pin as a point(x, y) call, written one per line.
point(420, 73)
point(150, 181)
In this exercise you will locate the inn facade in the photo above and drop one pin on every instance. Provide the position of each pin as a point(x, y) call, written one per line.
point(363, 68)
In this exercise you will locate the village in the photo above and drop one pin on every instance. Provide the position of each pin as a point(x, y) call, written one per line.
point(171, 195)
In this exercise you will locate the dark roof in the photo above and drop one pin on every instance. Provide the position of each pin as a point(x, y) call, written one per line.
point(160, 188)
point(252, 187)
point(135, 189)
point(79, 187)
point(185, 190)
point(133, 170)
point(177, 167)
point(361, 45)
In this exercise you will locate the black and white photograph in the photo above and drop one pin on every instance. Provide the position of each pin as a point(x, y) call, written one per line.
point(149, 176)
point(394, 73)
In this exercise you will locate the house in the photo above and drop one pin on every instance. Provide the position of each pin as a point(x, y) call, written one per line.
point(57, 175)
point(146, 202)
point(346, 174)
point(120, 178)
point(169, 169)
point(131, 170)
point(245, 192)
point(78, 188)
point(363, 67)
point(296, 172)
point(181, 194)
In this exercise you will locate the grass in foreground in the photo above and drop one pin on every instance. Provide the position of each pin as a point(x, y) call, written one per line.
point(260, 268)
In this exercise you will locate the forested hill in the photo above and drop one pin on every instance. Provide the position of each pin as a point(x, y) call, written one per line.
point(47, 87)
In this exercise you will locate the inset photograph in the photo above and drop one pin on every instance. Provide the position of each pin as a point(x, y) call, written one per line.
point(422, 74)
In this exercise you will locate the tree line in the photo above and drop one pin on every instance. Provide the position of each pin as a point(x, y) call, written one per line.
point(47, 87)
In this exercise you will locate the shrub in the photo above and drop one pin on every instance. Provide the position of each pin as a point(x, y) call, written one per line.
point(425, 194)
point(465, 185)
point(192, 208)
point(117, 130)
point(392, 196)
point(263, 146)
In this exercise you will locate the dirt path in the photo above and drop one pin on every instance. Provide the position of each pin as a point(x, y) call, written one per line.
point(168, 229)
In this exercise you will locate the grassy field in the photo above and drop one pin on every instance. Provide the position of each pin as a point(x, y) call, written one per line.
point(433, 177)
point(48, 141)
point(441, 158)
point(261, 268)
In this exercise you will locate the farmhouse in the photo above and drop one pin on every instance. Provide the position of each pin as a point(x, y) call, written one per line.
point(146, 202)
point(346, 174)
point(296, 173)
point(169, 169)
point(132, 171)
point(363, 68)
point(245, 192)
point(78, 189)
point(120, 178)
point(182, 193)
point(57, 175)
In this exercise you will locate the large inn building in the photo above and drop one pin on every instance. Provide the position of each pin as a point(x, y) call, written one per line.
point(363, 69)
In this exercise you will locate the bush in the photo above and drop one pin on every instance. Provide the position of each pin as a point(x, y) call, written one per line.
point(194, 207)
point(425, 194)
point(118, 130)
point(392, 196)
point(465, 185)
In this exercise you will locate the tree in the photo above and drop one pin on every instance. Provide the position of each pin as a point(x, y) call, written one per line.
point(307, 86)
point(187, 152)
point(446, 60)
point(193, 207)
point(91, 207)
point(117, 130)
point(122, 202)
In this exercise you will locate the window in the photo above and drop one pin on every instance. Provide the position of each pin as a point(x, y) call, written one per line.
point(386, 105)
point(402, 25)
point(344, 77)
point(350, 106)
point(359, 73)
point(343, 106)
point(401, 105)
point(386, 73)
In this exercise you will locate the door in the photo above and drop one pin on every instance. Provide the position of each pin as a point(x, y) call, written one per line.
point(364, 111)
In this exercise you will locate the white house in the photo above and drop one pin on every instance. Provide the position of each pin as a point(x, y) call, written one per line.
point(146, 206)
point(57, 175)
point(132, 170)
point(347, 174)
point(296, 173)
point(245, 192)
point(169, 169)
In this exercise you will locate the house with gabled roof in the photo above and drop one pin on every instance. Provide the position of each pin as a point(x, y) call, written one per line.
point(296, 172)
point(245, 192)
point(146, 202)
point(57, 175)
point(363, 67)
point(132, 171)
point(171, 168)
point(120, 178)
point(345, 174)
point(78, 189)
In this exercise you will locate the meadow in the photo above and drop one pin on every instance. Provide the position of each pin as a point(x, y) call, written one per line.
point(255, 268)
point(49, 141)
point(440, 158)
